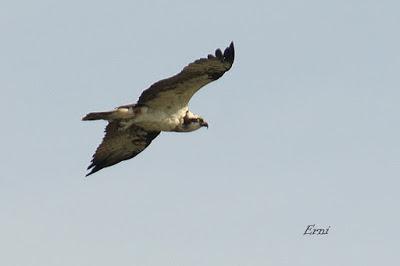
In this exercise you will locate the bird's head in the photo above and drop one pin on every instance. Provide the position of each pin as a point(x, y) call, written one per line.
point(202, 122)
point(192, 122)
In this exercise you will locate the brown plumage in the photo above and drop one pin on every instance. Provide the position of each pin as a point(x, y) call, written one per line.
point(120, 144)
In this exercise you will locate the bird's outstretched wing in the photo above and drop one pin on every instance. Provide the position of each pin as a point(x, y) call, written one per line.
point(175, 92)
point(120, 144)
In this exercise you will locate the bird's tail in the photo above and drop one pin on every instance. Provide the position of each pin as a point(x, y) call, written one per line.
point(122, 112)
point(99, 116)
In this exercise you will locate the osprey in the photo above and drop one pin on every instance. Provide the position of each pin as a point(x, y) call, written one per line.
point(162, 107)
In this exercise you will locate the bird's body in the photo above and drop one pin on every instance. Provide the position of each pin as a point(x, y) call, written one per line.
point(162, 107)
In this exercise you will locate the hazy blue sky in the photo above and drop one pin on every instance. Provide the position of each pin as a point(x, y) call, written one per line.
point(304, 129)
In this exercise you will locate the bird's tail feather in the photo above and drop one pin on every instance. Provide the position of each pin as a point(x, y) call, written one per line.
point(98, 116)
point(122, 112)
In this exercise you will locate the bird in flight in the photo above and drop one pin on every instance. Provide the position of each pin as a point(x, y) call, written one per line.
point(162, 107)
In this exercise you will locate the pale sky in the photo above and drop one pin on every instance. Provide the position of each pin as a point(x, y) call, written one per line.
point(304, 129)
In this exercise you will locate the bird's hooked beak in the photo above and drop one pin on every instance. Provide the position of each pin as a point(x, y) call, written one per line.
point(204, 124)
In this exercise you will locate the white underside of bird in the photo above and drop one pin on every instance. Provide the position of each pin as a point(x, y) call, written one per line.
point(156, 120)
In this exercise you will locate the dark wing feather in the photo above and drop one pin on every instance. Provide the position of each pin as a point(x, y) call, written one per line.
point(120, 144)
point(175, 92)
